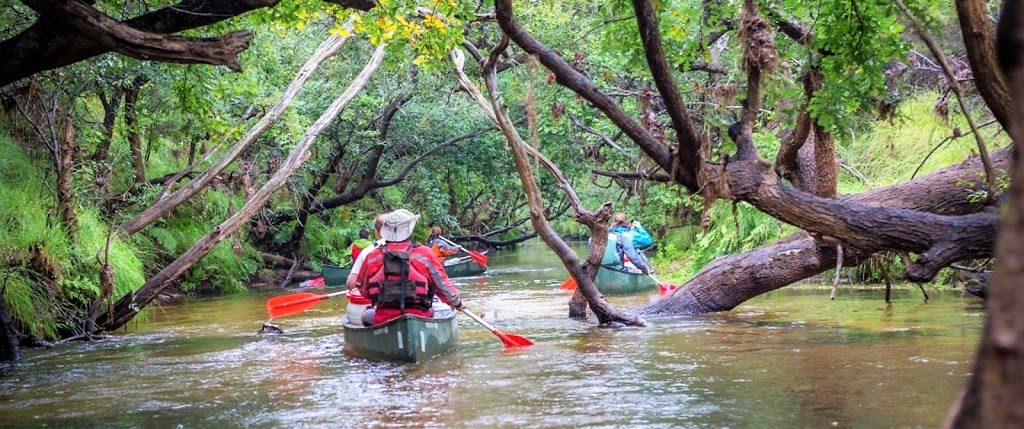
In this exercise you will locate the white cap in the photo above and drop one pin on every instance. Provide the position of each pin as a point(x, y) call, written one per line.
point(398, 225)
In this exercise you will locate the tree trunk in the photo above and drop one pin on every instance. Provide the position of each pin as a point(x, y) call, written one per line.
point(167, 204)
point(131, 98)
point(729, 281)
point(311, 198)
point(824, 146)
point(824, 163)
point(128, 306)
point(979, 41)
point(65, 173)
point(110, 108)
point(9, 350)
point(596, 221)
point(992, 398)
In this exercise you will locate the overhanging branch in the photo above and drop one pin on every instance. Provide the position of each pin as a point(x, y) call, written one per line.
point(140, 44)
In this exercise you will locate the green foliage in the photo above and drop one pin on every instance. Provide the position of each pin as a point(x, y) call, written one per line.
point(27, 226)
point(734, 228)
point(222, 269)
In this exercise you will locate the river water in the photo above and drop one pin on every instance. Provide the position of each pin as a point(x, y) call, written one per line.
point(788, 359)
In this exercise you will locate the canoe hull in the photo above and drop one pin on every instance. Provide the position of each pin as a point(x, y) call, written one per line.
point(405, 339)
point(615, 282)
point(467, 268)
point(335, 275)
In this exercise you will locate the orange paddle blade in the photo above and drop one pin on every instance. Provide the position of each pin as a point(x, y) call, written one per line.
point(568, 284)
point(513, 340)
point(478, 257)
point(666, 288)
point(287, 305)
point(509, 340)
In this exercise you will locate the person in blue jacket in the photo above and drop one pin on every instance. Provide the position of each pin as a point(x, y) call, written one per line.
point(629, 240)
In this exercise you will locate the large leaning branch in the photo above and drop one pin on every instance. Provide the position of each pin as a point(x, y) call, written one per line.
point(691, 142)
point(979, 42)
point(597, 220)
point(731, 280)
point(169, 202)
point(569, 77)
point(129, 305)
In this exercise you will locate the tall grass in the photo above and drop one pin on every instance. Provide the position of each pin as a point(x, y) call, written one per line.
point(888, 152)
point(28, 226)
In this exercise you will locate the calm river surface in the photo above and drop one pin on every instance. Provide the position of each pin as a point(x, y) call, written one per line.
point(789, 359)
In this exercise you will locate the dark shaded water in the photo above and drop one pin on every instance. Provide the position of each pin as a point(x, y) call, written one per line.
point(789, 359)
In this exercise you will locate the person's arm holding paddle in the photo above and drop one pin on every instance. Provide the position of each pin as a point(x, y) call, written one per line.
point(443, 287)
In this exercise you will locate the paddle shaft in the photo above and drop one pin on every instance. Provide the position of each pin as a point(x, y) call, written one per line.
point(478, 257)
point(454, 244)
point(477, 319)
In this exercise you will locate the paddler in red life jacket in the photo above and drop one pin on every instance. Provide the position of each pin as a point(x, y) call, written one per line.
point(402, 277)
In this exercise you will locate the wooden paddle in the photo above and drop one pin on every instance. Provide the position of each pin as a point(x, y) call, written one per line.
point(510, 340)
point(478, 257)
point(287, 305)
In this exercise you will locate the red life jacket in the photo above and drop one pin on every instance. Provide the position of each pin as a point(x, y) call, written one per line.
point(397, 284)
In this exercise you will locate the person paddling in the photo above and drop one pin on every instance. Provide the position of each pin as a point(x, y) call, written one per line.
point(378, 222)
point(440, 247)
point(360, 244)
point(628, 238)
point(402, 277)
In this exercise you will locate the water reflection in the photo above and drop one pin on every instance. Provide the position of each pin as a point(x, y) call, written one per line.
point(788, 359)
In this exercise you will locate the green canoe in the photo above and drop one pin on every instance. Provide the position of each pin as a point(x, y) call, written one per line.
point(408, 339)
point(335, 275)
point(611, 281)
point(463, 267)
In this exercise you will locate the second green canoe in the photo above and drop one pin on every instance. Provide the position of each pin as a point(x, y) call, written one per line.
point(335, 275)
point(611, 281)
point(463, 267)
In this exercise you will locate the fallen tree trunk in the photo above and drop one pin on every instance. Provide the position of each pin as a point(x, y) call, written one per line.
point(128, 306)
point(729, 281)
point(278, 261)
